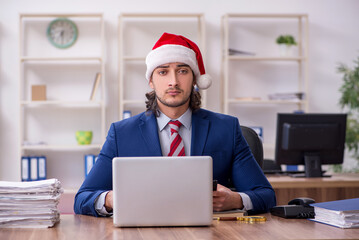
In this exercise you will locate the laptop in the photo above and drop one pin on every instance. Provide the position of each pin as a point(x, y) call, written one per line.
point(162, 191)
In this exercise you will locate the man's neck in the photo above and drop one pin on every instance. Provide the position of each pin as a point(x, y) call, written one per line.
point(173, 112)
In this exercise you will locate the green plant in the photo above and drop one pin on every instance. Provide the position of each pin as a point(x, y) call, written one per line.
point(286, 39)
point(349, 102)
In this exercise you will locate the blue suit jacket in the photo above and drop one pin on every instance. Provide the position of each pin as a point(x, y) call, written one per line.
point(213, 134)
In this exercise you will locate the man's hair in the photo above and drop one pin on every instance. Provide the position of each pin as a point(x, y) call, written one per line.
point(151, 103)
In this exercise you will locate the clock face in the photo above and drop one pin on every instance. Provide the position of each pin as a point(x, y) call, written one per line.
point(62, 33)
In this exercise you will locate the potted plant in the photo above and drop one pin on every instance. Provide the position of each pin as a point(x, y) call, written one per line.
point(286, 42)
point(349, 102)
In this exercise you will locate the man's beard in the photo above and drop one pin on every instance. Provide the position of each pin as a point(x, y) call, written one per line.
point(174, 104)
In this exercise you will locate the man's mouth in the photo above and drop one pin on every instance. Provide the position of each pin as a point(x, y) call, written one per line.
point(173, 92)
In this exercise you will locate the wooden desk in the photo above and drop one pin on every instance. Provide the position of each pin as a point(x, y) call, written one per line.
point(337, 187)
point(85, 227)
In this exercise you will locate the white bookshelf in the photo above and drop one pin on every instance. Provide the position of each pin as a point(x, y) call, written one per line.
point(248, 80)
point(48, 127)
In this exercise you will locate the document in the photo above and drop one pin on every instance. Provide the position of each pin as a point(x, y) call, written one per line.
point(29, 204)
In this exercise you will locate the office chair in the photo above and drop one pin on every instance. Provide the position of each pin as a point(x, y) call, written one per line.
point(256, 146)
point(255, 143)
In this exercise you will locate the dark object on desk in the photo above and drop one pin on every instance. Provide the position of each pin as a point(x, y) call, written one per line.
point(310, 139)
point(270, 166)
point(296, 208)
point(215, 182)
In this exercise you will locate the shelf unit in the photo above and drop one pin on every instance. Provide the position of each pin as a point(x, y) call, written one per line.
point(262, 70)
point(138, 32)
point(48, 127)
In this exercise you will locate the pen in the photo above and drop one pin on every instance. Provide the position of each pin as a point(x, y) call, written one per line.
point(227, 218)
point(244, 218)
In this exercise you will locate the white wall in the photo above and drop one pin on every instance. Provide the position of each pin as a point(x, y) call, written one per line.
point(334, 38)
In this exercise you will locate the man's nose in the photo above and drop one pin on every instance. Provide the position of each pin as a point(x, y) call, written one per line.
point(173, 81)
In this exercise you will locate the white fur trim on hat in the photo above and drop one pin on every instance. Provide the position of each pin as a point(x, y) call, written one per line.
point(171, 53)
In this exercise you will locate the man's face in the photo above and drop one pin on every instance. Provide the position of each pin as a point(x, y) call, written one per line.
point(173, 84)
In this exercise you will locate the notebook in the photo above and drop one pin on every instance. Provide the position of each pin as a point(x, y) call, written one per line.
point(162, 191)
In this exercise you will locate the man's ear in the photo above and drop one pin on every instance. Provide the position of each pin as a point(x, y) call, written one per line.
point(150, 83)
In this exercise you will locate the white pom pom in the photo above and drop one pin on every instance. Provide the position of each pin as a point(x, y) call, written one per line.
point(204, 81)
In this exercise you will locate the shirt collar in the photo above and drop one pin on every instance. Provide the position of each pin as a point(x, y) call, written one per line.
point(185, 119)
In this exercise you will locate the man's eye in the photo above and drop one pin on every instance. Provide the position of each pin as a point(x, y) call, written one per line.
point(162, 72)
point(183, 71)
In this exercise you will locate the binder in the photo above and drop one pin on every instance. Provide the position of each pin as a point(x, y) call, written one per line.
point(33, 169)
point(41, 168)
point(25, 169)
point(90, 160)
point(340, 213)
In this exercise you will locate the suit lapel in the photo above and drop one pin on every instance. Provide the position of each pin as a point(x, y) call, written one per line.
point(148, 128)
point(200, 127)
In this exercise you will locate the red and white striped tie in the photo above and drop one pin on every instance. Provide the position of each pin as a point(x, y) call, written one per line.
point(177, 146)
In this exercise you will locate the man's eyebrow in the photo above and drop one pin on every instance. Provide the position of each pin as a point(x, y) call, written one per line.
point(167, 66)
point(183, 65)
point(163, 66)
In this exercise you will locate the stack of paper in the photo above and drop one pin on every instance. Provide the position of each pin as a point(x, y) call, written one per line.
point(29, 204)
point(341, 213)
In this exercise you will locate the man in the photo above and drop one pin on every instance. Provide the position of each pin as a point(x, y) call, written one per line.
point(174, 68)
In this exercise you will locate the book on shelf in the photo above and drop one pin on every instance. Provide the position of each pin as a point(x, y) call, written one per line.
point(341, 213)
point(287, 96)
point(248, 98)
point(230, 213)
point(95, 86)
point(232, 51)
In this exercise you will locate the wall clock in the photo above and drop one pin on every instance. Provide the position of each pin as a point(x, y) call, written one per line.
point(62, 33)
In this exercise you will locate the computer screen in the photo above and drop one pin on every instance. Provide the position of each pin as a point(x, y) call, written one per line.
point(310, 139)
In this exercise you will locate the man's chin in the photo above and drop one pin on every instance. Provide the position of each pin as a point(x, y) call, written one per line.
point(171, 103)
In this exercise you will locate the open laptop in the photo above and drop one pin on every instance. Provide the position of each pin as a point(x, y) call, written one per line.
point(162, 191)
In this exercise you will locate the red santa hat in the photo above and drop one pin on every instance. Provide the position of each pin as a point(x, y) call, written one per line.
point(176, 48)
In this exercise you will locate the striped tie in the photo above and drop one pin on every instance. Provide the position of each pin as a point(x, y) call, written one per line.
point(177, 146)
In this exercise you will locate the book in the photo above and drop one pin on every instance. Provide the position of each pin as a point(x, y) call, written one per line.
point(230, 213)
point(287, 96)
point(341, 213)
point(232, 51)
point(95, 86)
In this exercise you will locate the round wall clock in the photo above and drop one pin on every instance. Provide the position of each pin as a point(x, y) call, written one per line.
point(62, 33)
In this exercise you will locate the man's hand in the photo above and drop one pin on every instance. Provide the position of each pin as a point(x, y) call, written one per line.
point(225, 199)
point(109, 201)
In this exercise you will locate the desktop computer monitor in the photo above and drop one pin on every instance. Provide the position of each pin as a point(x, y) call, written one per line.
point(310, 139)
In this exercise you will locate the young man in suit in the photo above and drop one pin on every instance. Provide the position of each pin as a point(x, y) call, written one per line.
point(174, 68)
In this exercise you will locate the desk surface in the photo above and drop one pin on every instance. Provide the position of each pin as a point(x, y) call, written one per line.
point(337, 180)
point(337, 187)
point(85, 227)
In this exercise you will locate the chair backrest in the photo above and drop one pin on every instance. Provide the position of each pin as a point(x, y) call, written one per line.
point(255, 143)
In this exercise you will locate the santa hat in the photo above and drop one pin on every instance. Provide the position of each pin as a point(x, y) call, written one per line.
point(175, 48)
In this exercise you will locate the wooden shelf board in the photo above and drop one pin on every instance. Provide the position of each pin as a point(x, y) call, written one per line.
point(61, 147)
point(256, 58)
point(75, 104)
point(233, 100)
point(93, 58)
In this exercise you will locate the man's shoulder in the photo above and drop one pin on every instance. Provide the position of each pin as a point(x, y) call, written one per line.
point(204, 113)
point(134, 120)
